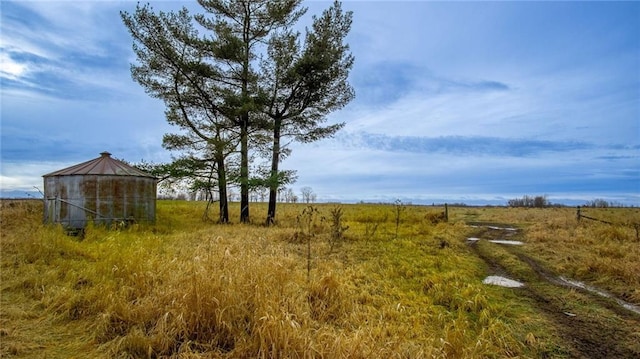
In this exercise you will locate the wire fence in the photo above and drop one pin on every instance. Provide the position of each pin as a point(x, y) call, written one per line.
point(634, 225)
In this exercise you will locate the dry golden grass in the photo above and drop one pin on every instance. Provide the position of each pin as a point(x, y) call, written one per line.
point(191, 289)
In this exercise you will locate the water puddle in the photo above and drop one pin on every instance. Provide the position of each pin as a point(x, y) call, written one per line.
point(498, 241)
point(502, 281)
point(503, 228)
point(580, 285)
point(510, 229)
point(504, 241)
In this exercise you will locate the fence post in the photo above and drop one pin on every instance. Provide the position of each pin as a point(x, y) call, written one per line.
point(446, 213)
point(578, 214)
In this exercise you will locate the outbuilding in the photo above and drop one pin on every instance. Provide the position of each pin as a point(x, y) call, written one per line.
point(103, 191)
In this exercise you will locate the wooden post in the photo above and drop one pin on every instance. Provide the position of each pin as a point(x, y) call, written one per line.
point(578, 214)
point(446, 213)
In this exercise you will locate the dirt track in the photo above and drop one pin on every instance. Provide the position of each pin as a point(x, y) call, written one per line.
point(586, 334)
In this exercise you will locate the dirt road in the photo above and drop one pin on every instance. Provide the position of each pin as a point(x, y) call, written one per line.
point(592, 325)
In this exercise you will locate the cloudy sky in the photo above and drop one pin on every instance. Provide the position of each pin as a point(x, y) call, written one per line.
point(475, 102)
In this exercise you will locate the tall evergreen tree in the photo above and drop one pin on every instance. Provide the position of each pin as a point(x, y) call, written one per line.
point(172, 66)
point(238, 28)
point(304, 84)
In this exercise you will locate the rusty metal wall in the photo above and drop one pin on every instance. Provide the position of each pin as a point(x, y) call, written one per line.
point(75, 200)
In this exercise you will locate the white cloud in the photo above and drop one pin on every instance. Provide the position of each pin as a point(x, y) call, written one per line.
point(67, 49)
point(568, 106)
point(74, 26)
point(24, 176)
point(11, 69)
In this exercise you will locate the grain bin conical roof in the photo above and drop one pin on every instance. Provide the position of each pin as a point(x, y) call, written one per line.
point(103, 165)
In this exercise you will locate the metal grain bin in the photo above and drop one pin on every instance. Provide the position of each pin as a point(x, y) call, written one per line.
point(103, 190)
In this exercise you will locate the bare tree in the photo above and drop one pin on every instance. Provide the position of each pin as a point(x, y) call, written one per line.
point(289, 195)
point(307, 194)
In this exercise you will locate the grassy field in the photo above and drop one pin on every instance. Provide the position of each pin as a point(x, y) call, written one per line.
point(359, 281)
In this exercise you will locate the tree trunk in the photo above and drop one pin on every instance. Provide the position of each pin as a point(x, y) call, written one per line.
point(222, 191)
point(244, 170)
point(244, 122)
point(273, 179)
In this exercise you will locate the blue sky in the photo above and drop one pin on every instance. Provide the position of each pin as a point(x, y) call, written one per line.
point(475, 102)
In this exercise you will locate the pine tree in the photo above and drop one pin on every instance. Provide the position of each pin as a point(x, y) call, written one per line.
point(304, 84)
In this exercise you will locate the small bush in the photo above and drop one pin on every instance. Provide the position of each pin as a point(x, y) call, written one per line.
point(337, 228)
point(435, 217)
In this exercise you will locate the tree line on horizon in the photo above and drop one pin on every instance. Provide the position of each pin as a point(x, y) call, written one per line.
point(240, 84)
point(543, 202)
point(285, 195)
